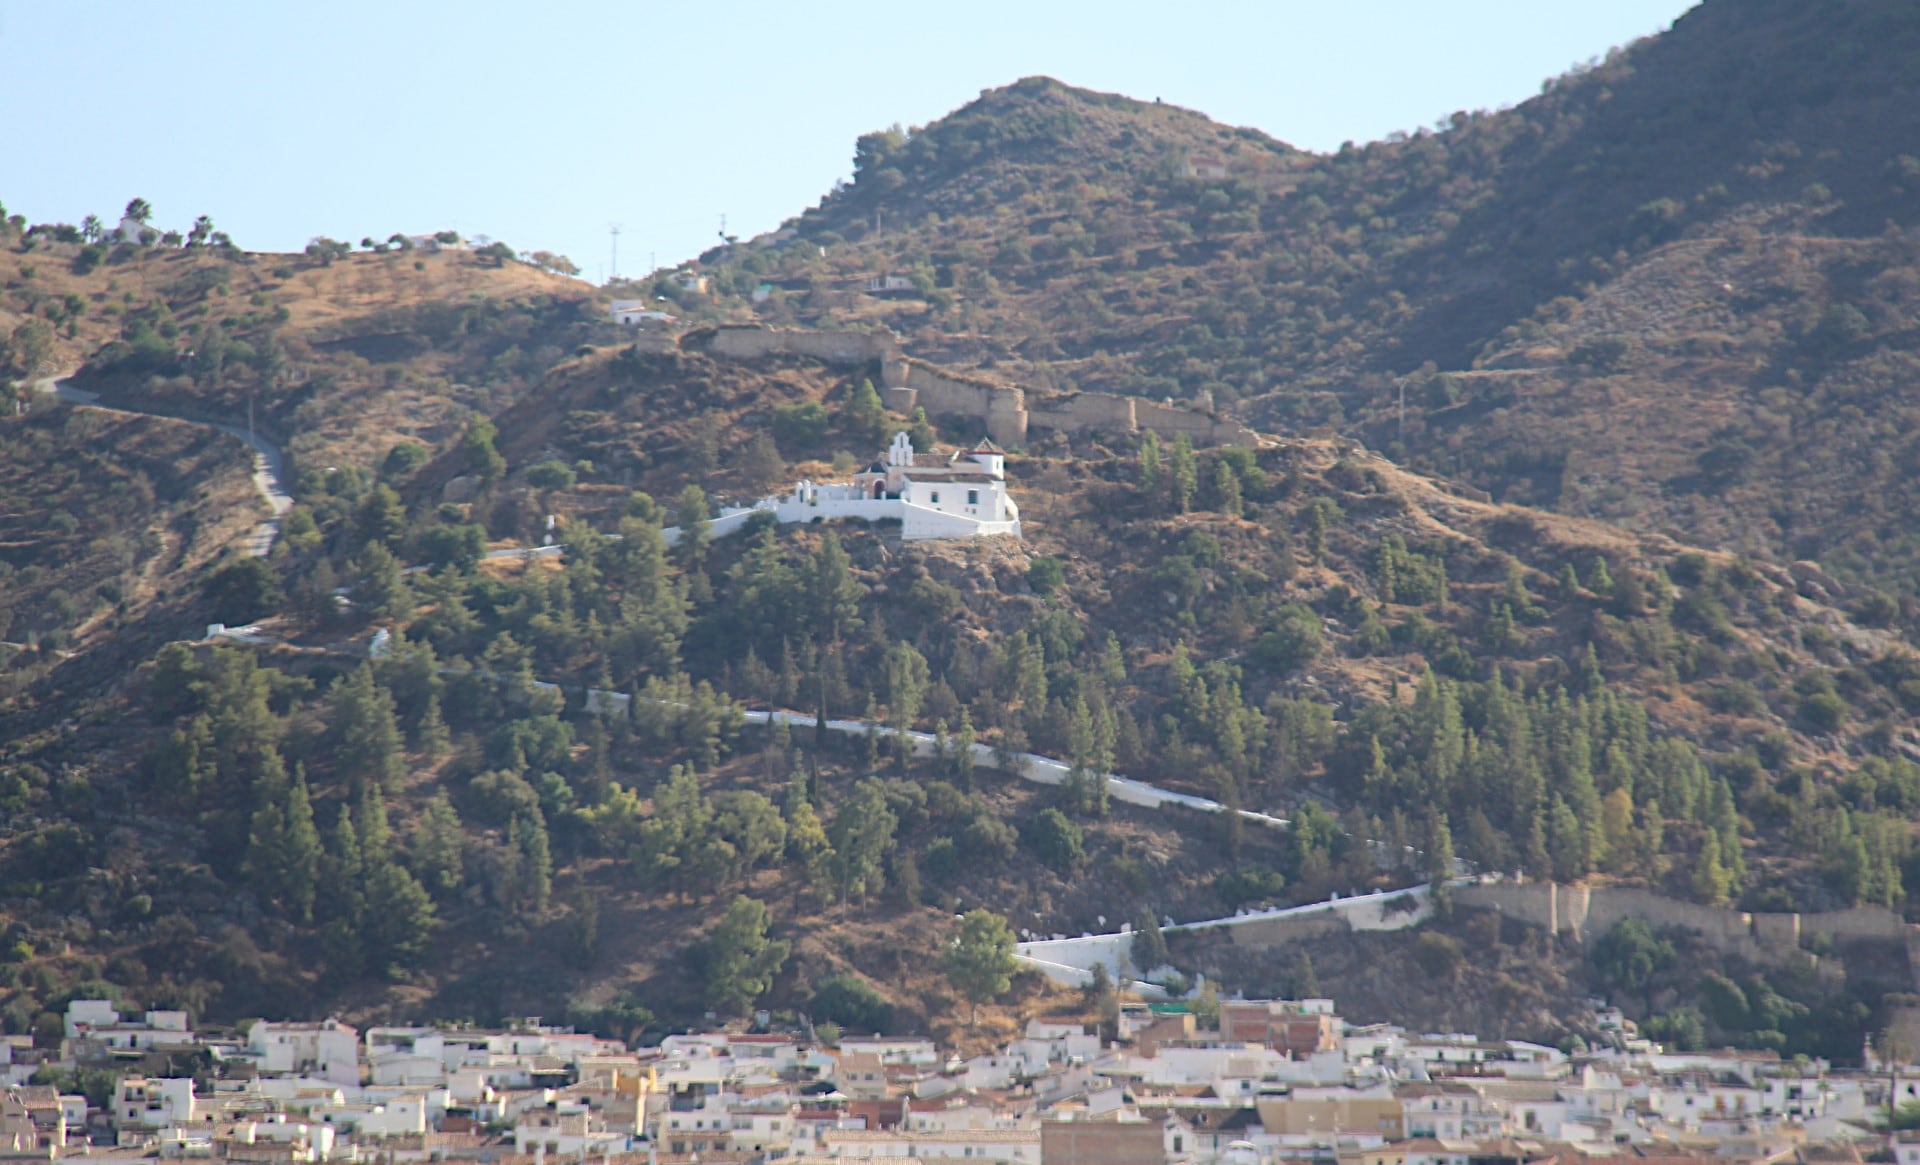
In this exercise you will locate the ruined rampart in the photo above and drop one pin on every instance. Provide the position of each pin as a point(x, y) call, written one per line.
point(1586, 913)
point(1009, 413)
point(756, 343)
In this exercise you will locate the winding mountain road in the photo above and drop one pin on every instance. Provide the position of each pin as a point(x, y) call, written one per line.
point(269, 464)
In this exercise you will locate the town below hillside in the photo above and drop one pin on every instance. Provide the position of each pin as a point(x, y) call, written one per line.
point(1240, 1081)
point(1101, 667)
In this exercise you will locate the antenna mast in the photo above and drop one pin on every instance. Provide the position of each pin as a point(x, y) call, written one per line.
point(613, 268)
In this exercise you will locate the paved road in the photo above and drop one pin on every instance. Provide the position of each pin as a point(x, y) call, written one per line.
point(269, 472)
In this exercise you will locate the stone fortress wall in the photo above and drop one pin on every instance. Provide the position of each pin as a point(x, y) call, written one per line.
point(1588, 912)
point(1008, 412)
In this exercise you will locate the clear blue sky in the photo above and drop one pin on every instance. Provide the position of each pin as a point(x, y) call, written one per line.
point(541, 124)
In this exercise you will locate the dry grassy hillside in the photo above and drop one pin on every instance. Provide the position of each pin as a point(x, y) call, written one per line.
point(1752, 387)
point(342, 359)
point(1070, 239)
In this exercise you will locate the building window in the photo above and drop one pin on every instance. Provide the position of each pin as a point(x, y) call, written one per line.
point(973, 497)
point(935, 497)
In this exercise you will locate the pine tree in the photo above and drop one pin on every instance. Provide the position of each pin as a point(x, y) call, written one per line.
point(1183, 473)
point(343, 872)
point(1149, 945)
point(979, 961)
point(1439, 849)
point(1600, 582)
point(691, 550)
point(832, 606)
point(922, 434)
point(1226, 490)
point(741, 960)
point(963, 754)
point(301, 856)
point(1317, 522)
point(1566, 841)
point(861, 835)
point(438, 847)
point(380, 587)
point(1616, 825)
point(371, 828)
point(1113, 663)
point(527, 833)
point(1711, 883)
point(398, 919)
point(435, 740)
point(363, 732)
point(907, 681)
point(1150, 475)
point(864, 415)
point(267, 841)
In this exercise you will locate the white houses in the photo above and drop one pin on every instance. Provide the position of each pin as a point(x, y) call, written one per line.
point(329, 1050)
point(143, 1102)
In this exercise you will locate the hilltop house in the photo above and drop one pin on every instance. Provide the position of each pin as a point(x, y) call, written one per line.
point(1206, 167)
point(633, 311)
point(960, 495)
point(131, 230)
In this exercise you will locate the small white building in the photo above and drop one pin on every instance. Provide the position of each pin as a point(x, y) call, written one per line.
point(971, 485)
point(1207, 167)
point(889, 285)
point(131, 230)
point(633, 312)
point(152, 1103)
point(97, 1019)
point(329, 1050)
point(931, 495)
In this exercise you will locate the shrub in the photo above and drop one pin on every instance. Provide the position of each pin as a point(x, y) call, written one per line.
point(941, 861)
point(1824, 711)
point(801, 424)
point(852, 1003)
point(244, 590)
point(403, 460)
point(1056, 841)
point(1249, 884)
point(461, 546)
point(1439, 955)
point(551, 475)
point(1876, 610)
point(1045, 575)
point(1293, 641)
point(988, 837)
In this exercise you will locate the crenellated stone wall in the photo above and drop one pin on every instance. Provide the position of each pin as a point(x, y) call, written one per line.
point(1008, 412)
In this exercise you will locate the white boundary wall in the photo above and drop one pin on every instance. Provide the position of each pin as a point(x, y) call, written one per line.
point(1030, 766)
point(816, 503)
point(1071, 960)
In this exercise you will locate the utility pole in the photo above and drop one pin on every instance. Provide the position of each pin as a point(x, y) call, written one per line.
point(613, 266)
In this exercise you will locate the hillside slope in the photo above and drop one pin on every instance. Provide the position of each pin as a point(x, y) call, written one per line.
point(1311, 631)
point(1759, 159)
